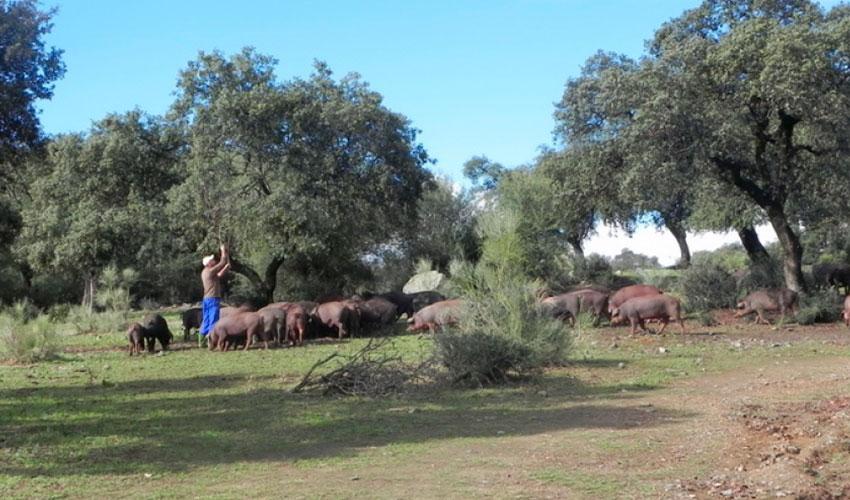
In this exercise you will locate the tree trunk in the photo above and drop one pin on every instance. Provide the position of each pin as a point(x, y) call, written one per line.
point(89, 289)
point(264, 286)
point(681, 238)
point(755, 250)
point(793, 259)
point(27, 274)
point(577, 249)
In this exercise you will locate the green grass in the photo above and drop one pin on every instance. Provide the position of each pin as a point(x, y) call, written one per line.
point(594, 484)
point(197, 423)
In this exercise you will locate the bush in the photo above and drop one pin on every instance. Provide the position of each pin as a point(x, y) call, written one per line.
point(569, 270)
point(760, 278)
point(149, 304)
point(84, 320)
point(22, 310)
point(502, 331)
point(592, 269)
point(58, 312)
point(706, 318)
point(707, 287)
point(663, 279)
point(28, 341)
point(820, 307)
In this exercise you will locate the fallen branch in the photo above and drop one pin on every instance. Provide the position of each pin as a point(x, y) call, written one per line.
point(306, 380)
point(363, 373)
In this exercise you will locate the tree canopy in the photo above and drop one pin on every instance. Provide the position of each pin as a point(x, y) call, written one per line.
point(313, 171)
point(751, 94)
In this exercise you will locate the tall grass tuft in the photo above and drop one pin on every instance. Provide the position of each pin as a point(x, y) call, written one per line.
point(84, 320)
point(502, 332)
point(28, 341)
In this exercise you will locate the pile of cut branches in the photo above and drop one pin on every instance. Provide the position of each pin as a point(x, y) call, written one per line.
point(368, 372)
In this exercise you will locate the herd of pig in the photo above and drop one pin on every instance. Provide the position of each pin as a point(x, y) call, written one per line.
point(640, 303)
point(289, 322)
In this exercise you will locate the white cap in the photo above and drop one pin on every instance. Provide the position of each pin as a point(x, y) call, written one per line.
point(206, 260)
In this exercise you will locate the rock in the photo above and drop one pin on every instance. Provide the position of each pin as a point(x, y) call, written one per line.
point(424, 282)
point(792, 449)
point(613, 346)
point(621, 365)
point(663, 350)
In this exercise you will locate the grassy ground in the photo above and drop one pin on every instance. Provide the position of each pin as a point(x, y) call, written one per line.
point(192, 423)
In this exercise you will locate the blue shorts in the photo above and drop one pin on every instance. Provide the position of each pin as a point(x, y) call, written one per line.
point(211, 306)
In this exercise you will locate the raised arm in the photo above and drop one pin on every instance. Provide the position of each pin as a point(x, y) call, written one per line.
point(224, 263)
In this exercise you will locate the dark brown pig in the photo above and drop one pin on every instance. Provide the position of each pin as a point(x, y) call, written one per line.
point(338, 316)
point(845, 314)
point(630, 292)
point(402, 301)
point(565, 306)
point(136, 336)
point(377, 310)
point(839, 277)
point(154, 327)
point(191, 318)
point(779, 300)
point(438, 314)
point(422, 299)
point(274, 322)
point(640, 309)
point(296, 323)
point(233, 327)
point(594, 301)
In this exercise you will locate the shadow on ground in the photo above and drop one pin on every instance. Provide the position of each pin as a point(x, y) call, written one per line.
point(167, 426)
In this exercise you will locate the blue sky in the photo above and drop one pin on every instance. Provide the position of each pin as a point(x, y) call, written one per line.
point(476, 77)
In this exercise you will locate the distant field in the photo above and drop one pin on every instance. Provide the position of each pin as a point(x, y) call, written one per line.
point(647, 417)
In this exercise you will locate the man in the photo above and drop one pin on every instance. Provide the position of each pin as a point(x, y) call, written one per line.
point(211, 279)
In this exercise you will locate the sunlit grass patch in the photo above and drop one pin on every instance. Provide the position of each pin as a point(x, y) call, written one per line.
point(599, 485)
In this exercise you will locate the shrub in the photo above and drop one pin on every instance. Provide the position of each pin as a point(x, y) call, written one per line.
point(22, 310)
point(502, 331)
point(593, 269)
point(58, 312)
point(115, 292)
point(84, 320)
point(819, 307)
point(706, 318)
point(760, 278)
point(664, 279)
point(707, 287)
point(28, 341)
point(729, 257)
point(149, 304)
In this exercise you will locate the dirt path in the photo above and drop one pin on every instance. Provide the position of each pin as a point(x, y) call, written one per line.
point(774, 430)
